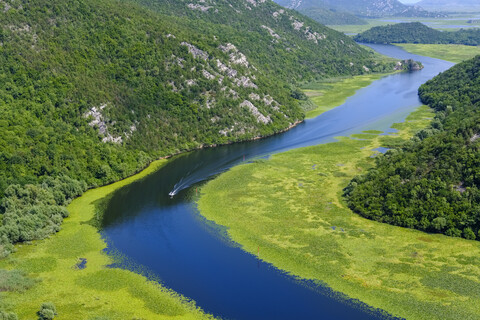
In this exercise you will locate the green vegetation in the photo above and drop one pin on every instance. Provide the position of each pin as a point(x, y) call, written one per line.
point(333, 92)
point(291, 207)
point(450, 52)
point(8, 316)
point(431, 183)
point(100, 89)
point(332, 16)
point(282, 42)
point(47, 311)
point(96, 292)
point(416, 32)
point(14, 280)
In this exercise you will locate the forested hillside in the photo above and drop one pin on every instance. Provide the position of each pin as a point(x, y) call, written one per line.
point(92, 91)
point(433, 182)
point(416, 32)
point(280, 41)
point(364, 8)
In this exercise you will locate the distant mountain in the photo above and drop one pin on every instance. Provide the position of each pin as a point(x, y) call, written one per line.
point(365, 8)
point(450, 5)
point(332, 16)
point(416, 32)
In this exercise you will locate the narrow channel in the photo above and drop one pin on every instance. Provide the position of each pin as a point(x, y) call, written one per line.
point(169, 238)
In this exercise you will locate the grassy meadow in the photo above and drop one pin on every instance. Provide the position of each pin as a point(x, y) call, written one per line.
point(331, 93)
point(449, 52)
point(291, 207)
point(96, 292)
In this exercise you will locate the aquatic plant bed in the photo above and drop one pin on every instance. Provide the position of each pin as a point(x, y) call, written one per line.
point(290, 210)
point(450, 52)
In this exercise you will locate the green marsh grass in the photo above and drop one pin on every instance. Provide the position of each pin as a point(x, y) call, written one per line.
point(96, 292)
point(291, 207)
point(450, 52)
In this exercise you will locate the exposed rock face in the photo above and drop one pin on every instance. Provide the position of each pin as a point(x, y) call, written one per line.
point(297, 25)
point(198, 7)
point(208, 75)
point(245, 82)
point(99, 122)
point(196, 53)
point(271, 31)
point(278, 13)
point(255, 2)
point(254, 110)
point(231, 73)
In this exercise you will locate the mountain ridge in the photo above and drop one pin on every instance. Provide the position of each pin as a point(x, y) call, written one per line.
point(449, 5)
point(364, 8)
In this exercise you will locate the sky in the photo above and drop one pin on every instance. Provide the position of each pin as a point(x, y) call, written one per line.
point(409, 1)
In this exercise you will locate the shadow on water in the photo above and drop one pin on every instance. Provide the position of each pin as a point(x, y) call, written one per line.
point(169, 237)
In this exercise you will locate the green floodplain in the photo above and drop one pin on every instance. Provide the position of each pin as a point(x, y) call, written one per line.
point(450, 52)
point(98, 291)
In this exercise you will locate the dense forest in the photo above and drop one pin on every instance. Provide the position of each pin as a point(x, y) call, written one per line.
point(92, 91)
point(416, 32)
point(432, 183)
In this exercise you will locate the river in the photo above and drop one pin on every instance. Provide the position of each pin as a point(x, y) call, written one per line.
point(169, 238)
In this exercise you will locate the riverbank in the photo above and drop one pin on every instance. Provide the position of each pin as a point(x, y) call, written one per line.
point(331, 93)
point(290, 209)
point(450, 52)
point(97, 291)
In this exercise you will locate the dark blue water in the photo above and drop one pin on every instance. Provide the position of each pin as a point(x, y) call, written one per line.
point(190, 255)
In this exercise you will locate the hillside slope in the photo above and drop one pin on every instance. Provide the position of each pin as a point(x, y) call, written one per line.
point(365, 8)
point(92, 91)
point(433, 182)
point(281, 41)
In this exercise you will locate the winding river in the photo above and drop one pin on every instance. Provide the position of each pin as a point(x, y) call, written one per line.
point(169, 238)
